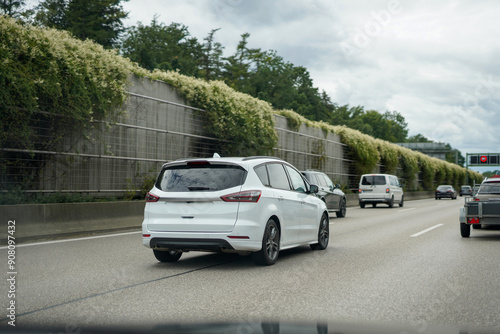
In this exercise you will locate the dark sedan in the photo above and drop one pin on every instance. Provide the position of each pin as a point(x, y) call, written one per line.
point(465, 190)
point(329, 192)
point(446, 191)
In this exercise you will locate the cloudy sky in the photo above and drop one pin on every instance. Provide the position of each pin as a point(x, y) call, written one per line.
point(435, 62)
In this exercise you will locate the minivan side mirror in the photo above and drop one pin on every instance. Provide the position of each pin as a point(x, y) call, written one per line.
point(314, 189)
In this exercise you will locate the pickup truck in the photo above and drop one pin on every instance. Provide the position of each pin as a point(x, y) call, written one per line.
point(483, 208)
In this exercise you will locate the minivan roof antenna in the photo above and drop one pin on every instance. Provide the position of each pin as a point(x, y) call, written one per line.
point(216, 155)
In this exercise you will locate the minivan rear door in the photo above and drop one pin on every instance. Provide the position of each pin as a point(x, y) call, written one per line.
point(190, 197)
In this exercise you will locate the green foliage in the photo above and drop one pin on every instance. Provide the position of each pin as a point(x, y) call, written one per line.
point(491, 173)
point(48, 70)
point(243, 123)
point(11, 7)
point(158, 46)
point(390, 126)
point(212, 63)
point(389, 156)
point(427, 170)
point(132, 191)
point(100, 21)
point(294, 120)
point(363, 148)
point(409, 165)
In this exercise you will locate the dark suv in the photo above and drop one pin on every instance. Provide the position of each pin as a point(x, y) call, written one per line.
point(329, 192)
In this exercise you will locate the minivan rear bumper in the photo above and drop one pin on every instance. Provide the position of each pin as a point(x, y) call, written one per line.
point(191, 244)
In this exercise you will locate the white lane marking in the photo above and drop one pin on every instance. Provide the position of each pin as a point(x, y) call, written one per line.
point(74, 239)
point(426, 230)
point(404, 210)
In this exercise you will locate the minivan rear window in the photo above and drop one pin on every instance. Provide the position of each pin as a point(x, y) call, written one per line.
point(373, 180)
point(205, 177)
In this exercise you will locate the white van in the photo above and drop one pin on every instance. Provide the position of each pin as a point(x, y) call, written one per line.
point(380, 188)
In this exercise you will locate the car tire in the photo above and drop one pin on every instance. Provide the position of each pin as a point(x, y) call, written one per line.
point(402, 202)
point(343, 209)
point(374, 205)
point(361, 205)
point(270, 245)
point(323, 234)
point(476, 226)
point(167, 256)
point(391, 202)
point(464, 230)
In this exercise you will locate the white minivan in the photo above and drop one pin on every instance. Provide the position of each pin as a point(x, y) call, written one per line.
point(380, 188)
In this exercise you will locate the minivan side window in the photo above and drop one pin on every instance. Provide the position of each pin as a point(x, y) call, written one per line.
point(277, 176)
point(298, 183)
point(261, 172)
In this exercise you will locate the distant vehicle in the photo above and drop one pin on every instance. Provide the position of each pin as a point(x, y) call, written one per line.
point(445, 191)
point(465, 190)
point(380, 188)
point(330, 193)
point(482, 208)
point(253, 205)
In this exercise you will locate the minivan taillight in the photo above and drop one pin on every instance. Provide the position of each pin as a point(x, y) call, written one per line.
point(388, 190)
point(243, 196)
point(150, 198)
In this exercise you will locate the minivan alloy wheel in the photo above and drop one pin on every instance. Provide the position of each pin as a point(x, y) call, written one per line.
point(270, 245)
point(323, 234)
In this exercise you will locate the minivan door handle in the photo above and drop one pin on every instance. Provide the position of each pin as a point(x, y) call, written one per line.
point(280, 198)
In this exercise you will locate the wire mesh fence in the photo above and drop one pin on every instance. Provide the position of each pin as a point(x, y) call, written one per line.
point(123, 157)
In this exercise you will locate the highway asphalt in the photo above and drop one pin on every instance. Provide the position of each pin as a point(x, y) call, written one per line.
point(404, 266)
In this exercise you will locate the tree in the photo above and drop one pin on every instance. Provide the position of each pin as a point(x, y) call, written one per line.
point(212, 62)
point(491, 173)
point(52, 14)
point(99, 20)
point(397, 128)
point(418, 138)
point(11, 7)
point(158, 46)
point(238, 66)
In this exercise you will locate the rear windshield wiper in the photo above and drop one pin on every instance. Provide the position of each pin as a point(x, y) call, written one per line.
point(201, 188)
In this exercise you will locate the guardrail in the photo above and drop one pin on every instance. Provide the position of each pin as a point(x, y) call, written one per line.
point(49, 221)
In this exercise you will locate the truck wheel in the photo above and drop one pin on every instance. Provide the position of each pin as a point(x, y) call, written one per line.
point(361, 204)
point(464, 230)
